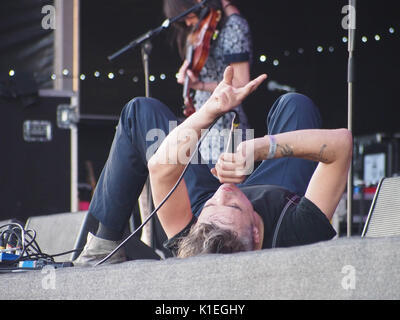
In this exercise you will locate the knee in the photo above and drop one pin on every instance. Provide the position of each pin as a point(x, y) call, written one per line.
point(294, 100)
point(142, 109)
point(294, 111)
point(139, 105)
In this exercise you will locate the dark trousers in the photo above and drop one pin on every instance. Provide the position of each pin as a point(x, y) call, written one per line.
point(144, 122)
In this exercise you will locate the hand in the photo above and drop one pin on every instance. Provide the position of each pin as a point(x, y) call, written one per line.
point(226, 97)
point(184, 71)
point(235, 167)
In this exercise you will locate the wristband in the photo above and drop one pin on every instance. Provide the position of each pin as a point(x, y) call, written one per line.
point(272, 147)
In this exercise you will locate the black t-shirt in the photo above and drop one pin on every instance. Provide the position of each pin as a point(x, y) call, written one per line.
point(288, 219)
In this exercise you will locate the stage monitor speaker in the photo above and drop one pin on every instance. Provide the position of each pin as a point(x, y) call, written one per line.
point(384, 216)
point(57, 233)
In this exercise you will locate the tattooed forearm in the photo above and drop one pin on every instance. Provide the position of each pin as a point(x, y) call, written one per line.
point(321, 153)
point(320, 157)
point(285, 150)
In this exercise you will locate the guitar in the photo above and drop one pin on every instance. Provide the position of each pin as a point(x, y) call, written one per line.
point(197, 52)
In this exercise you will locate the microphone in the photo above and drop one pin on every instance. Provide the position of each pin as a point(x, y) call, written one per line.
point(230, 147)
point(273, 85)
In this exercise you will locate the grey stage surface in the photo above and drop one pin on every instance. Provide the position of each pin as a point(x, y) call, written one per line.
point(345, 268)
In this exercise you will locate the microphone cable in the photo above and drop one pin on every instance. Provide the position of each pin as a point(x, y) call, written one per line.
point(234, 122)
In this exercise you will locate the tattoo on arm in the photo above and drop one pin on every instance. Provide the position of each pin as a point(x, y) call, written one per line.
point(321, 153)
point(285, 150)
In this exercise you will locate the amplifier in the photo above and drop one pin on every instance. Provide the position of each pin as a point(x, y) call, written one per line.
point(36, 156)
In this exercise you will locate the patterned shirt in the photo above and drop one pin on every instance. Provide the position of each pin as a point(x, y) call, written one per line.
point(233, 44)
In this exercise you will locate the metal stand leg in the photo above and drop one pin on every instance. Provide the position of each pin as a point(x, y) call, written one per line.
point(146, 199)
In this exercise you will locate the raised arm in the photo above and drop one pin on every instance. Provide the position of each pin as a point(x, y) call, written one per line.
point(167, 164)
point(332, 148)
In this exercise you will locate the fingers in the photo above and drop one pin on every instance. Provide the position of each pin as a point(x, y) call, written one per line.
point(182, 72)
point(251, 86)
point(230, 168)
point(228, 75)
point(193, 79)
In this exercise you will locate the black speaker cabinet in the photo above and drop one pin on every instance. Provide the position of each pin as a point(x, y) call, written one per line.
point(35, 157)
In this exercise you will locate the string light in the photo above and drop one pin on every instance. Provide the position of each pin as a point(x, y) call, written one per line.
point(262, 58)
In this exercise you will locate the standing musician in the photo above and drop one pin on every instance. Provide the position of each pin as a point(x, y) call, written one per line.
point(230, 44)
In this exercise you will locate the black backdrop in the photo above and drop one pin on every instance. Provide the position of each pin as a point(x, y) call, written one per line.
point(280, 29)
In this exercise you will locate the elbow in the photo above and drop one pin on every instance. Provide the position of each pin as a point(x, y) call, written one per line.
point(346, 144)
point(152, 165)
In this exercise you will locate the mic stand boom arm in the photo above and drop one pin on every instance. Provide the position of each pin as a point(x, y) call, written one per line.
point(150, 34)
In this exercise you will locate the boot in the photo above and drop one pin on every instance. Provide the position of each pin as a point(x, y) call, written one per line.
point(97, 249)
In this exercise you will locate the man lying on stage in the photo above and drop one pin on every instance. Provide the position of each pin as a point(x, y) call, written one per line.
point(284, 202)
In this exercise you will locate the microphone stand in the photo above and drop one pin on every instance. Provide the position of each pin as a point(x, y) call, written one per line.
point(150, 34)
point(145, 42)
point(350, 80)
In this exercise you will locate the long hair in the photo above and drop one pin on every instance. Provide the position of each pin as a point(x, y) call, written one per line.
point(180, 31)
point(206, 238)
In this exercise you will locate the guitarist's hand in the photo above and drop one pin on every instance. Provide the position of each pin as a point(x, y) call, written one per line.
point(226, 97)
point(194, 82)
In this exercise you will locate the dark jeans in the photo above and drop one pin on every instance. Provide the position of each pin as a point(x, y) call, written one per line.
point(142, 126)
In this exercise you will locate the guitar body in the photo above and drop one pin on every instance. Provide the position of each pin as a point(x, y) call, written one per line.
point(197, 53)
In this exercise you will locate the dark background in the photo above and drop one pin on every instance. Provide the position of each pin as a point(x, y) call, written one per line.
point(279, 28)
point(286, 30)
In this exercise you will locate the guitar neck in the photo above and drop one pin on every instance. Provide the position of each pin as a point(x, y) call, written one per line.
point(189, 57)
